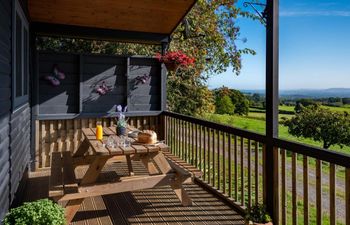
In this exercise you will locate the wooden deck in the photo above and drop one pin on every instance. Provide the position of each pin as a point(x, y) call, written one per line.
point(152, 206)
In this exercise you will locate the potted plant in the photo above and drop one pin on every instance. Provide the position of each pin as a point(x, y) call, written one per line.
point(175, 59)
point(122, 122)
point(257, 215)
point(40, 212)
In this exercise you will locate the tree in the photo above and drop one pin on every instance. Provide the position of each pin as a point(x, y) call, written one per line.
point(346, 101)
point(240, 102)
point(256, 100)
point(303, 103)
point(187, 95)
point(256, 97)
point(209, 34)
point(319, 124)
point(224, 105)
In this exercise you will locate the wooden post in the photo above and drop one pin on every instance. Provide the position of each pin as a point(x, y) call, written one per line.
point(347, 196)
point(162, 127)
point(271, 163)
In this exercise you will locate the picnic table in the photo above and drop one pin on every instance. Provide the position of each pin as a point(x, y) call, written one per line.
point(70, 192)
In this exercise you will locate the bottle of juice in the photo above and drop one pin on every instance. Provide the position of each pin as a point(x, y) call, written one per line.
point(99, 131)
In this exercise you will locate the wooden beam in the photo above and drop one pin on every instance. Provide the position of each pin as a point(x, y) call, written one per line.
point(56, 177)
point(69, 180)
point(94, 170)
point(180, 192)
point(72, 31)
point(130, 168)
point(160, 160)
point(82, 149)
point(132, 184)
point(145, 159)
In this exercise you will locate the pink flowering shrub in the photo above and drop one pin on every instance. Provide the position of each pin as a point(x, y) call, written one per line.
point(177, 57)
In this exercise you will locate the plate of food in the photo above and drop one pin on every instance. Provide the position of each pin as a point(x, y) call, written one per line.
point(147, 137)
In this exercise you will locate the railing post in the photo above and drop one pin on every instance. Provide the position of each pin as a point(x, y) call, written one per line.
point(162, 127)
point(271, 152)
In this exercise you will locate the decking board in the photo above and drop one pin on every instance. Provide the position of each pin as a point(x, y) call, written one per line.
point(152, 206)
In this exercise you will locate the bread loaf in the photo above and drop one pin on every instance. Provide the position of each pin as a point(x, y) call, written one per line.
point(147, 137)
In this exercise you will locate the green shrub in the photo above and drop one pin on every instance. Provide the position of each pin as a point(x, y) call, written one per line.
point(41, 212)
point(224, 105)
point(258, 214)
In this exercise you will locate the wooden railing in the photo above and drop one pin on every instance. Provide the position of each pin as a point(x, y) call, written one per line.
point(313, 184)
point(230, 159)
point(66, 135)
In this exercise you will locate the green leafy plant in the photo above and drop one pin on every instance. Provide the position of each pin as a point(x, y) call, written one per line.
point(40, 212)
point(121, 119)
point(320, 124)
point(258, 214)
point(224, 105)
point(122, 123)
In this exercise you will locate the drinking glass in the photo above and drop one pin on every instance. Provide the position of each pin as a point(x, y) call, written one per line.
point(110, 142)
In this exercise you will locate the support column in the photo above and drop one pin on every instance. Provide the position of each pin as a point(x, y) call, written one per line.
point(272, 102)
point(164, 73)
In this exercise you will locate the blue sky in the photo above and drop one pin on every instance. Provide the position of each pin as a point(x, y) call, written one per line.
point(314, 48)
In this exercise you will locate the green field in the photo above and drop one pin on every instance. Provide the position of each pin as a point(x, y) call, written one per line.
point(345, 108)
point(255, 121)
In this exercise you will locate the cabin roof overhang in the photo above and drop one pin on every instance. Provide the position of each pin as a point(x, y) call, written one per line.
point(149, 21)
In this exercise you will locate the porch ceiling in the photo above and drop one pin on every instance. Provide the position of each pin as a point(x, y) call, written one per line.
point(151, 16)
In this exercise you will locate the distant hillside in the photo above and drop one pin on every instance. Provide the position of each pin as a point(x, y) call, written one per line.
point(309, 93)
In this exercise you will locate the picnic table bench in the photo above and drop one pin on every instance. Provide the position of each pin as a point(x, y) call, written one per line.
point(163, 169)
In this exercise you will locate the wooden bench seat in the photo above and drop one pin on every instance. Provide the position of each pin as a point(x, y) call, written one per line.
point(182, 166)
point(62, 179)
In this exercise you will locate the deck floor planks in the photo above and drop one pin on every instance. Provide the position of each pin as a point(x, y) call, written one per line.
point(152, 213)
point(102, 212)
point(171, 207)
point(204, 209)
point(215, 209)
point(153, 206)
point(155, 198)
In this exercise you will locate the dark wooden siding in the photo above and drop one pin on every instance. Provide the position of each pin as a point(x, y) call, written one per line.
point(65, 97)
point(14, 126)
point(144, 97)
point(108, 69)
point(20, 146)
point(5, 103)
point(77, 96)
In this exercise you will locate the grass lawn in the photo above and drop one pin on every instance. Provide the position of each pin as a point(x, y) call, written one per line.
point(261, 115)
point(345, 108)
point(286, 108)
point(256, 123)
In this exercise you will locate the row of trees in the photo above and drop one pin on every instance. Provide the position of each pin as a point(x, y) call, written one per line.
point(332, 101)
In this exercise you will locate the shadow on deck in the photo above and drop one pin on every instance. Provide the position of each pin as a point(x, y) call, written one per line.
point(152, 206)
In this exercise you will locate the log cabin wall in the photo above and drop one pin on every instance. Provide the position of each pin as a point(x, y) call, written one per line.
point(5, 102)
point(65, 135)
point(14, 118)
